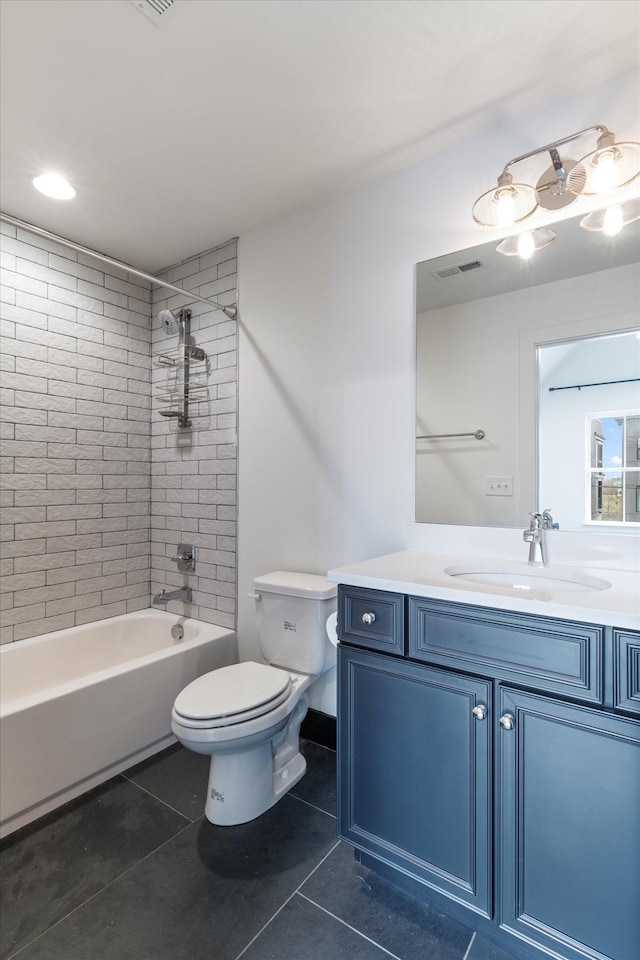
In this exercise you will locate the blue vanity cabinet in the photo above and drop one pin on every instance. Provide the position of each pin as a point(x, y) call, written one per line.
point(626, 670)
point(373, 619)
point(497, 762)
point(415, 775)
point(569, 827)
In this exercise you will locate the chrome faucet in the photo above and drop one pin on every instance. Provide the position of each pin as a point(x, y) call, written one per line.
point(539, 523)
point(184, 593)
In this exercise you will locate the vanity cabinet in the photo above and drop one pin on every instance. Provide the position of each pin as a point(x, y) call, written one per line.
point(495, 762)
point(415, 784)
point(569, 827)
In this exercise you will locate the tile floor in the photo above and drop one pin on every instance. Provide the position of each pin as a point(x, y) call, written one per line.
point(133, 871)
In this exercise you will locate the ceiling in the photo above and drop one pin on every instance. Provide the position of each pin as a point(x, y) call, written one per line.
point(225, 114)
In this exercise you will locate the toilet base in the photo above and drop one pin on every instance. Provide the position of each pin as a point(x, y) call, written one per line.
point(245, 784)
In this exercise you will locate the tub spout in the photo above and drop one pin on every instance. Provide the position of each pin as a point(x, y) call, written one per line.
point(184, 593)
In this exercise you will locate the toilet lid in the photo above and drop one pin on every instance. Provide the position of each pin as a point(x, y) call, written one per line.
point(234, 690)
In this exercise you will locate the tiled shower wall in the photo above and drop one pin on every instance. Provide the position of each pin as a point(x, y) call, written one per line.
point(193, 488)
point(76, 426)
point(74, 414)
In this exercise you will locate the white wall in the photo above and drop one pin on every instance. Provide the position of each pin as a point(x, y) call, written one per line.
point(326, 401)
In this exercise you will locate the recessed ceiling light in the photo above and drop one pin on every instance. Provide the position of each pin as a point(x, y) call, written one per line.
point(53, 185)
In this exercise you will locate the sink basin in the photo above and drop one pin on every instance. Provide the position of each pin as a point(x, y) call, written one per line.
point(527, 579)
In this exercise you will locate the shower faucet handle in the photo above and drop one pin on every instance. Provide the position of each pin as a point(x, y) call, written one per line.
point(185, 558)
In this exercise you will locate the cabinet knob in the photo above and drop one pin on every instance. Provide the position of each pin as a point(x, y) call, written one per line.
point(507, 721)
point(368, 618)
point(479, 712)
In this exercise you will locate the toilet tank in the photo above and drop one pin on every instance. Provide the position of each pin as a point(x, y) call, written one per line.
point(292, 611)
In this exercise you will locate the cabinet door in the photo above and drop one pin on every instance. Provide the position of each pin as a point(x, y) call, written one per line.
point(570, 827)
point(415, 773)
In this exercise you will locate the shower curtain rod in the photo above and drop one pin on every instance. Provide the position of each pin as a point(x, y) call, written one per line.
point(230, 310)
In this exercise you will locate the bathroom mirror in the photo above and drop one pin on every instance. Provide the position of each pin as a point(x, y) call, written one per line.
point(486, 325)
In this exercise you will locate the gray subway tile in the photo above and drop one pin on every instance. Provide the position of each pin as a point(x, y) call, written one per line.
point(35, 628)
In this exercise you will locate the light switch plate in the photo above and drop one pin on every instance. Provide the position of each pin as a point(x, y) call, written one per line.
point(498, 486)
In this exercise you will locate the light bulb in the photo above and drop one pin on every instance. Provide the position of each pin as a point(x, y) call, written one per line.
point(506, 212)
point(526, 246)
point(53, 185)
point(613, 221)
point(604, 174)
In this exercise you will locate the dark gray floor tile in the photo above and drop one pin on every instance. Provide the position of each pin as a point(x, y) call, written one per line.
point(318, 786)
point(203, 896)
point(302, 931)
point(177, 776)
point(55, 864)
point(383, 912)
point(486, 950)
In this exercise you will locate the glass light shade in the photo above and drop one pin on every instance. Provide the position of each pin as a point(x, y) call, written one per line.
point(612, 219)
point(606, 169)
point(53, 185)
point(525, 244)
point(505, 205)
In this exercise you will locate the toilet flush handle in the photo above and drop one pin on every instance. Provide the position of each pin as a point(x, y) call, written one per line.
point(254, 595)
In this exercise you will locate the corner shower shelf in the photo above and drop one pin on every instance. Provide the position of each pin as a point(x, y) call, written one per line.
point(183, 385)
point(178, 356)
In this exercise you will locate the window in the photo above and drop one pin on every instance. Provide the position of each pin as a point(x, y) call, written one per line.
point(613, 469)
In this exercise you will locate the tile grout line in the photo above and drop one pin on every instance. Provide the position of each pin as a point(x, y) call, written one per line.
point(320, 745)
point(159, 799)
point(99, 892)
point(348, 925)
point(313, 806)
point(468, 950)
point(283, 905)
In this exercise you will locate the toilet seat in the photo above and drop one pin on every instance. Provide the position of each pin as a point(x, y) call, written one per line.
point(232, 695)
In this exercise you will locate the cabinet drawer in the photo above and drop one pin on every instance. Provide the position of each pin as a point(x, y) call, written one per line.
point(626, 683)
point(559, 656)
point(371, 618)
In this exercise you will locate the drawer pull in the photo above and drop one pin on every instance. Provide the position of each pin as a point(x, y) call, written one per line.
point(479, 712)
point(507, 721)
point(368, 618)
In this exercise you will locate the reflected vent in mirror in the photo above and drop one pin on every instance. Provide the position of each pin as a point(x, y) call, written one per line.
point(455, 269)
point(153, 9)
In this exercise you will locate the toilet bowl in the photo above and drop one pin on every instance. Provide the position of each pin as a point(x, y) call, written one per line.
point(247, 716)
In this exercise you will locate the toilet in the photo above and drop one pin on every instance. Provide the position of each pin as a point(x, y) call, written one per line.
point(247, 716)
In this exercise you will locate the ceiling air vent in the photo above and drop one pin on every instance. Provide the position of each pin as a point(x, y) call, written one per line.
point(456, 269)
point(153, 9)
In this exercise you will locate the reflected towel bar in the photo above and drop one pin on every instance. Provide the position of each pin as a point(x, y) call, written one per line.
point(478, 434)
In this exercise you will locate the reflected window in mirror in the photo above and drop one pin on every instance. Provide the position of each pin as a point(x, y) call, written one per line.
point(613, 476)
point(588, 418)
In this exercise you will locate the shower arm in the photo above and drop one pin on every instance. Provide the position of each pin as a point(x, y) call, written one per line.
point(230, 310)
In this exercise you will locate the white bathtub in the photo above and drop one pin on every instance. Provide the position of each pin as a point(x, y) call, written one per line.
point(78, 706)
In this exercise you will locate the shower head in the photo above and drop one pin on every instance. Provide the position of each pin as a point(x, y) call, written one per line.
point(169, 321)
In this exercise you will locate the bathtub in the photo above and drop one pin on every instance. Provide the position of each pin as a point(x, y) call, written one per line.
point(78, 706)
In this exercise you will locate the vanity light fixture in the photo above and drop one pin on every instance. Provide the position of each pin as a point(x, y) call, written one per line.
point(509, 203)
point(525, 244)
point(610, 166)
point(611, 220)
point(53, 185)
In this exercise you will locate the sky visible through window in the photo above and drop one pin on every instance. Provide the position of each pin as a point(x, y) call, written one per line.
point(612, 447)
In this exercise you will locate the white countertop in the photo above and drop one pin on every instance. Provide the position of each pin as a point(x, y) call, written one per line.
point(421, 573)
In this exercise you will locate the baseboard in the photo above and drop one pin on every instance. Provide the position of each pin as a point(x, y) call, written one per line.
point(320, 728)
